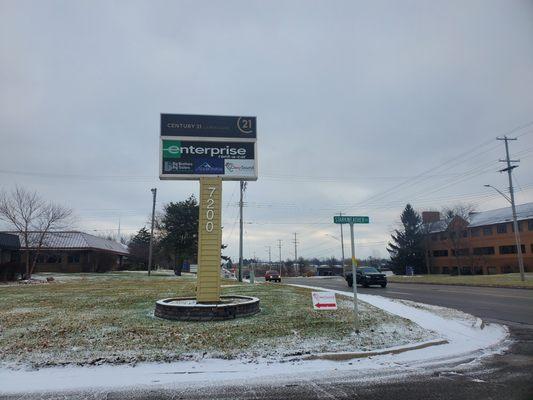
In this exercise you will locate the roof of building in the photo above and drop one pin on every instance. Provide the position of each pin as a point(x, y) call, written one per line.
point(74, 241)
point(491, 217)
point(9, 241)
point(501, 215)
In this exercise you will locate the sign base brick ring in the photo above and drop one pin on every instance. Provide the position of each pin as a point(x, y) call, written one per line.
point(188, 309)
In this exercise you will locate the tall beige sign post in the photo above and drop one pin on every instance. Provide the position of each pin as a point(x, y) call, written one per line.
point(210, 149)
point(209, 240)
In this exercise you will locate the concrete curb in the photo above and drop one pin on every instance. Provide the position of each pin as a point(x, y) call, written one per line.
point(350, 356)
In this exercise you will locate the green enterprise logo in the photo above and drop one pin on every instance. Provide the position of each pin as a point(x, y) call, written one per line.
point(171, 149)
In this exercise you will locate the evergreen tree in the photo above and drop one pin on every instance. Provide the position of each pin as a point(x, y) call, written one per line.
point(179, 231)
point(139, 247)
point(407, 247)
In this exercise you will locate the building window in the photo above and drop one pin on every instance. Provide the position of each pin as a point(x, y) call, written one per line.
point(492, 270)
point(487, 231)
point(74, 258)
point(530, 224)
point(440, 253)
point(474, 232)
point(54, 259)
point(460, 252)
point(483, 251)
point(443, 236)
point(501, 228)
point(464, 233)
point(434, 238)
point(519, 223)
point(445, 270)
point(511, 249)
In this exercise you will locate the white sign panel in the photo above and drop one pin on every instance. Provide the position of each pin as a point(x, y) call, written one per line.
point(324, 301)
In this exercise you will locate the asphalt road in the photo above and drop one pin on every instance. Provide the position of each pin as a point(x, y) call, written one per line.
point(512, 307)
point(506, 376)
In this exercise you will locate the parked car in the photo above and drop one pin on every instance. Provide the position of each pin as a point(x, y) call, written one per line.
point(367, 276)
point(272, 276)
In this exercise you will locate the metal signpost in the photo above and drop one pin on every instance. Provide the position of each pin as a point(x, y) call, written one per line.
point(210, 149)
point(345, 219)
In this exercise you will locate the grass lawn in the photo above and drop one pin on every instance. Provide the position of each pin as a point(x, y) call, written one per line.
point(508, 280)
point(108, 318)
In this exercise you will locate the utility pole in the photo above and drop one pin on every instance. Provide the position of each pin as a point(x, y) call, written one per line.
point(342, 244)
point(509, 170)
point(243, 188)
point(295, 241)
point(252, 270)
point(154, 193)
point(279, 247)
point(269, 256)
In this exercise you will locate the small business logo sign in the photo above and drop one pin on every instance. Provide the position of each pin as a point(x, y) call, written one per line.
point(175, 167)
point(239, 167)
point(211, 166)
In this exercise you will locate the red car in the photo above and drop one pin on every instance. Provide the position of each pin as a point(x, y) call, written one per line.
point(272, 276)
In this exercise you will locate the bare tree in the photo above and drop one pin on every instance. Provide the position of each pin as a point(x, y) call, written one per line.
point(457, 218)
point(32, 218)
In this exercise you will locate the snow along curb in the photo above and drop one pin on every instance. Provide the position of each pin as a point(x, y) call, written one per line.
point(466, 343)
point(463, 337)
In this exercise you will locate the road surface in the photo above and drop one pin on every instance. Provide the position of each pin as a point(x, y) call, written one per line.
point(507, 376)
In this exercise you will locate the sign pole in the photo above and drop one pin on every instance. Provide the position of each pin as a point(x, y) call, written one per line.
point(209, 241)
point(354, 285)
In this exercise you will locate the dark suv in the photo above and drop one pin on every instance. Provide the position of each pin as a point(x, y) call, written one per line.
point(367, 276)
point(272, 276)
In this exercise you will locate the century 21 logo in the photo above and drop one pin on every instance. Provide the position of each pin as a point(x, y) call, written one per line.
point(172, 148)
point(245, 125)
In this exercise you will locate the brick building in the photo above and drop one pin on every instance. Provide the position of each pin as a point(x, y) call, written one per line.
point(72, 252)
point(484, 245)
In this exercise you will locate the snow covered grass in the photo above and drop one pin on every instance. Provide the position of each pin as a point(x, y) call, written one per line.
point(507, 280)
point(91, 319)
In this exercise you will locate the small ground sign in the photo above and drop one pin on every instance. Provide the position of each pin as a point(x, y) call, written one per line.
point(324, 301)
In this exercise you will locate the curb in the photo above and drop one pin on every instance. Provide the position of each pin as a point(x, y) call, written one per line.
point(465, 284)
point(350, 356)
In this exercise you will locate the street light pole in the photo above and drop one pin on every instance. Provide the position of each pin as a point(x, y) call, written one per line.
point(150, 251)
point(509, 170)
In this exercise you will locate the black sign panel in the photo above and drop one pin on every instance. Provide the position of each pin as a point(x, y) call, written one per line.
point(208, 126)
point(231, 160)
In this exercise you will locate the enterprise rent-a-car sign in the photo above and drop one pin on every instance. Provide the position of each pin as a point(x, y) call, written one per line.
point(195, 146)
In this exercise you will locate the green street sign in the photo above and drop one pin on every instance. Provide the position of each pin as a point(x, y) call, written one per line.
point(346, 219)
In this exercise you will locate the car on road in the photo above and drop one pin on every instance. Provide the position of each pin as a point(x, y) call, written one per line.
point(367, 276)
point(272, 276)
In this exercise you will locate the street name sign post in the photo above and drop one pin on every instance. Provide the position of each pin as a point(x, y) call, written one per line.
point(324, 300)
point(346, 219)
point(208, 148)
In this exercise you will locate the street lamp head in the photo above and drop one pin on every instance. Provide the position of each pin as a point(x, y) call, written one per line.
point(153, 190)
point(486, 185)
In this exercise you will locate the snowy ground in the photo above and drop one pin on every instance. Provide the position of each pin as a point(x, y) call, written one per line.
point(467, 342)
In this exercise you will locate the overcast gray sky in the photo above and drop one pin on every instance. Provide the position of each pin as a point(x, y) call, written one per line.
point(361, 107)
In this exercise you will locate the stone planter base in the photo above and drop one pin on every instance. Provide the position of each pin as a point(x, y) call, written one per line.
point(187, 309)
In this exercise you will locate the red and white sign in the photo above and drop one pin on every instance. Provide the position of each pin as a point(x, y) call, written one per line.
point(324, 301)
